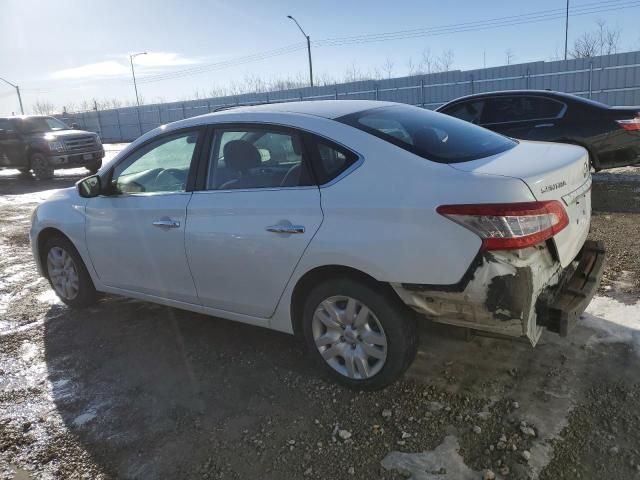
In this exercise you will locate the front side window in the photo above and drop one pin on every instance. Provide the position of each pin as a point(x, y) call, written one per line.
point(431, 135)
point(160, 166)
point(257, 158)
point(467, 111)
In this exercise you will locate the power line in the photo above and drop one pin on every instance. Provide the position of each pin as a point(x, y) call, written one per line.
point(534, 17)
point(500, 22)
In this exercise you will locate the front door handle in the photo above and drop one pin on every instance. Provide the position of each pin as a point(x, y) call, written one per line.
point(287, 228)
point(542, 125)
point(166, 224)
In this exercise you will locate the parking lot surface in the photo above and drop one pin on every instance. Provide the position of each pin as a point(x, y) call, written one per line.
point(129, 389)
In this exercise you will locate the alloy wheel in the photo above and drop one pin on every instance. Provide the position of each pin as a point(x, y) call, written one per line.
point(63, 273)
point(349, 337)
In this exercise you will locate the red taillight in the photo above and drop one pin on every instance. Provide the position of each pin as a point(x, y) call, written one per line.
point(630, 123)
point(507, 226)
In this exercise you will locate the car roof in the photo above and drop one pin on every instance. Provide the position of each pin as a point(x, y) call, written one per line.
point(540, 93)
point(24, 117)
point(321, 108)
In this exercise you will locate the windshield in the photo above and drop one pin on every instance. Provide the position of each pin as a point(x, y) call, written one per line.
point(431, 135)
point(42, 124)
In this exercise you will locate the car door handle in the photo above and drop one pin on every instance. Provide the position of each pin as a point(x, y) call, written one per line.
point(542, 125)
point(166, 224)
point(286, 229)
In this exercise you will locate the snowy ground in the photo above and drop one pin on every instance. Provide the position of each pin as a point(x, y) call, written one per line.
point(129, 389)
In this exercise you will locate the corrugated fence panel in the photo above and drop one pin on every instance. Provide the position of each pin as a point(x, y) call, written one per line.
point(612, 79)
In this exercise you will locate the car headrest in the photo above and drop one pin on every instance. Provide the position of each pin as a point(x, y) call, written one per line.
point(240, 155)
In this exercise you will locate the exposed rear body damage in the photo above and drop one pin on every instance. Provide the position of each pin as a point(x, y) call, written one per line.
point(499, 297)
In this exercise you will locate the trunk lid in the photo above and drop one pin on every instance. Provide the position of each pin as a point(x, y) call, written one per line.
point(552, 172)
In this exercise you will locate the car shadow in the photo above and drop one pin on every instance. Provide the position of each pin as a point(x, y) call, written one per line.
point(154, 392)
point(13, 182)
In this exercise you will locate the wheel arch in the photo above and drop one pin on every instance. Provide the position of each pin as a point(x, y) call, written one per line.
point(322, 273)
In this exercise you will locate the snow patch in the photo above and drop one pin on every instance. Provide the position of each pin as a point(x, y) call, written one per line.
point(50, 297)
point(442, 463)
point(614, 322)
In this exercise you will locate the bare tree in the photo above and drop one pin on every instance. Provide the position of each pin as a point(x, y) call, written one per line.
point(510, 56)
point(387, 67)
point(43, 107)
point(445, 61)
point(601, 41)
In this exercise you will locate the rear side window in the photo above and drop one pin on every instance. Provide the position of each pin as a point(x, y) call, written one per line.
point(467, 111)
point(431, 135)
point(331, 160)
point(520, 108)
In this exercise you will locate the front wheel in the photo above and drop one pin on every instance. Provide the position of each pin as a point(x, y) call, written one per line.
point(41, 167)
point(359, 333)
point(67, 273)
point(93, 169)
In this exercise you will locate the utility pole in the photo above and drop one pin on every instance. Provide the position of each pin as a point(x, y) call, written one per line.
point(17, 91)
point(133, 73)
point(566, 31)
point(308, 49)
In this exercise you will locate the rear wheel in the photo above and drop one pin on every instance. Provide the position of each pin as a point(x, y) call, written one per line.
point(67, 273)
point(41, 167)
point(359, 333)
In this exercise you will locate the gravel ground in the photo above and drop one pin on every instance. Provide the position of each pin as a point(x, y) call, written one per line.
point(128, 389)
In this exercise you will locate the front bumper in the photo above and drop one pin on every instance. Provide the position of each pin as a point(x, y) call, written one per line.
point(76, 159)
point(559, 308)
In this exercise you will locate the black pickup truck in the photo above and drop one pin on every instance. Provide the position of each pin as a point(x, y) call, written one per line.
point(42, 144)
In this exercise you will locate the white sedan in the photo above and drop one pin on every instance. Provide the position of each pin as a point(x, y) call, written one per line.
point(345, 222)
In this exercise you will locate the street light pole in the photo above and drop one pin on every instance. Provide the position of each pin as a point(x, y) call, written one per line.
point(566, 31)
point(308, 49)
point(17, 91)
point(133, 73)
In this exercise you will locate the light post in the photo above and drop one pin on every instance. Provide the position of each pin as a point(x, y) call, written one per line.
point(566, 31)
point(17, 91)
point(308, 49)
point(133, 73)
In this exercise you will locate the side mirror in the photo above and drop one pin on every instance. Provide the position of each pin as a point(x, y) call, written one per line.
point(89, 187)
point(74, 126)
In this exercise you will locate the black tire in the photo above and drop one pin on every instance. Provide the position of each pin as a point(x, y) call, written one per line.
point(93, 169)
point(42, 170)
point(86, 294)
point(397, 321)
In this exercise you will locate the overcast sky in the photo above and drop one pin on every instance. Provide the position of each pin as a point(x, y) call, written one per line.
point(65, 51)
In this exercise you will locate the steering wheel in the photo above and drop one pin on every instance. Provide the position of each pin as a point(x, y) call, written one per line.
point(171, 179)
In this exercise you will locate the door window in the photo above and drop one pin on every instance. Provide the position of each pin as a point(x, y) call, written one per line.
point(519, 109)
point(160, 166)
point(468, 111)
point(257, 158)
point(332, 161)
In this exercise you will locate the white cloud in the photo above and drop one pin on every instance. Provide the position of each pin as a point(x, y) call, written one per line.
point(109, 68)
point(152, 61)
point(163, 59)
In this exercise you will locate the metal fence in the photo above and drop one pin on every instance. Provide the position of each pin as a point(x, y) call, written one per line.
point(612, 79)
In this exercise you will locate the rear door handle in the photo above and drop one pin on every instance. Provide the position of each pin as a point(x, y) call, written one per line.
point(542, 125)
point(166, 224)
point(286, 228)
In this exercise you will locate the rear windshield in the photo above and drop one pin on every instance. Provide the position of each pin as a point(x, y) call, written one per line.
point(431, 135)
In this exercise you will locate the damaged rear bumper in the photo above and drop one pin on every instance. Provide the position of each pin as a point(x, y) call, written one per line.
point(515, 293)
point(559, 309)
